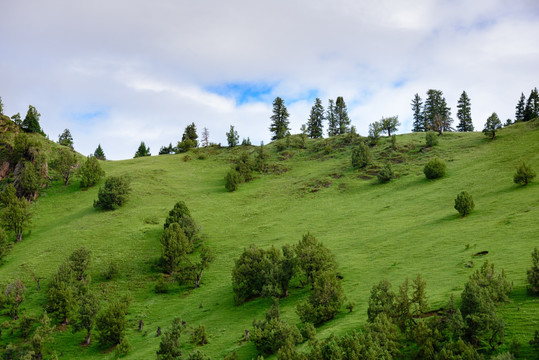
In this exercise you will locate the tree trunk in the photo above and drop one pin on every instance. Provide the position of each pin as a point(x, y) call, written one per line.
point(18, 236)
point(88, 340)
point(197, 280)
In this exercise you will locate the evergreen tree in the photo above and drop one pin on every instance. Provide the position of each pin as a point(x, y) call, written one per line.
point(464, 113)
point(85, 320)
point(533, 273)
point(341, 116)
point(492, 125)
point(417, 108)
point(361, 156)
point(315, 122)
point(31, 121)
point(99, 153)
point(169, 347)
point(331, 116)
point(142, 150)
point(532, 106)
point(279, 126)
point(90, 172)
point(174, 245)
point(524, 174)
point(66, 139)
point(464, 203)
point(436, 113)
point(232, 137)
point(63, 294)
point(190, 133)
point(113, 194)
point(313, 258)
point(111, 324)
point(520, 108)
point(1, 106)
point(325, 300)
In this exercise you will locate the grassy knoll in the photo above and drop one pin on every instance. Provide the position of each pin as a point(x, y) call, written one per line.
point(391, 231)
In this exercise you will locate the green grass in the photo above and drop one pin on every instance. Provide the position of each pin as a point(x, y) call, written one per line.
point(391, 231)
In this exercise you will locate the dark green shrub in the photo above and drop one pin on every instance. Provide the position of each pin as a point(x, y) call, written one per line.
point(386, 174)
point(434, 169)
point(272, 333)
point(90, 172)
point(325, 300)
point(161, 286)
point(5, 246)
point(248, 276)
point(199, 336)
point(361, 156)
point(431, 138)
point(464, 203)
point(533, 273)
point(524, 174)
point(198, 355)
point(111, 324)
point(111, 270)
point(123, 348)
point(233, 180)
point(113, 194)
point(308, 331)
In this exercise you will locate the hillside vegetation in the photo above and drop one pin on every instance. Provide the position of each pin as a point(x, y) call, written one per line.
point(376, 231)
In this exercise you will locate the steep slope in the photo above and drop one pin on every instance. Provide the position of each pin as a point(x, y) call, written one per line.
point(376, 231)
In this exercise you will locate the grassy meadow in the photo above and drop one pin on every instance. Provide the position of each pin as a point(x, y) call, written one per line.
point(392, 231)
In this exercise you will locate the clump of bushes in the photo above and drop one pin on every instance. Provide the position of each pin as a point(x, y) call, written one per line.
point(113, 194)
point(434, 169)
point(524, 174)
point(431, 139)
point(464, 203)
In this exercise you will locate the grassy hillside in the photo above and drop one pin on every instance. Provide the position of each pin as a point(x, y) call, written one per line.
point(376, 231)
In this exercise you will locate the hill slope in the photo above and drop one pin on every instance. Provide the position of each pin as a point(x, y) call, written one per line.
point(376, 231)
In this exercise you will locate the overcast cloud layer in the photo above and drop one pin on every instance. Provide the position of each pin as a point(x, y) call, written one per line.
point(125, 71)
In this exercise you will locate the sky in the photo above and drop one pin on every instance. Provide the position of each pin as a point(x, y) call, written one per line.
point(118, 72)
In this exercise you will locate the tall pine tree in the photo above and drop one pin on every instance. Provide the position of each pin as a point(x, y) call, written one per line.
point(333, 124)
point(99, 153)
point(314, 125)
point(341, 115)
point(417, 108)
point(279, 126)
point(532, 106)
point(436, 112)
point(464, 113)
point(520, 108)
point(31, 121)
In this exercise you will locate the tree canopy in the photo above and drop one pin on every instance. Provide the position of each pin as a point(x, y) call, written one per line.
point(279, 119)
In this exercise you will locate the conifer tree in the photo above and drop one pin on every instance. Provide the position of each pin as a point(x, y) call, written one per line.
point(464, 113)
point(492, 125)
point(315, 123)
point(16, 216)
point(31, 121)
point(232, 137)
point(169, 347)
point(532, 106)
point(99, 153)
point(190, 133)
point(533, 273)
point(436, 113)
point(66, 139)
point(90, 172)
point(1, 106)
point(333, 124)
point(341, 116)
point(520, 108)
point(417, 108)
point(142, 150)
point(17, 119)
point(279, 126)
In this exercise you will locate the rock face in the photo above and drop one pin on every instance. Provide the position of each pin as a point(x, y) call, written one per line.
point(4, 170)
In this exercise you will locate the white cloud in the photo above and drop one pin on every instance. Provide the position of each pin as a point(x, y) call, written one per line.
point(143, 68)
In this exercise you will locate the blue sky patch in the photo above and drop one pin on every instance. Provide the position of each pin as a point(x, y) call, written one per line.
point(84, 116)
point(243, 92)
